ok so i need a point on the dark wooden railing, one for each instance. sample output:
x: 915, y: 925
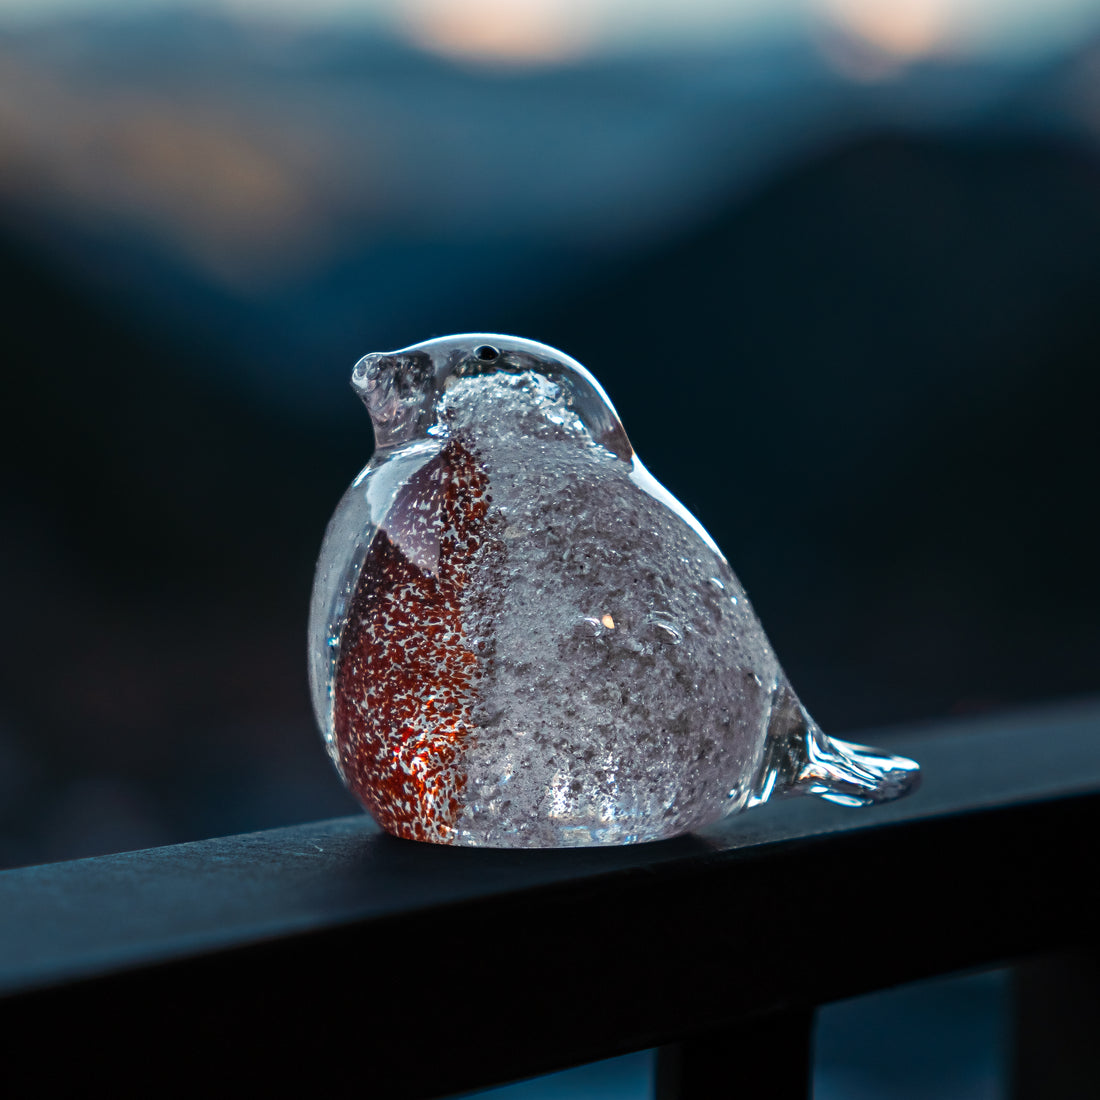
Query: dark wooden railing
x: 330, y: 959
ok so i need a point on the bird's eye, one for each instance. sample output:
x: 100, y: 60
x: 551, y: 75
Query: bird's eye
x: 486, y: 353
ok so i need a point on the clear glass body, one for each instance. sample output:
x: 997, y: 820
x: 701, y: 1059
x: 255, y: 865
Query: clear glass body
x: 519, y: 638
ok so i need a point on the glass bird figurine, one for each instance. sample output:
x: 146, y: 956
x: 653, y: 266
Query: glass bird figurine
x: 519, y: 638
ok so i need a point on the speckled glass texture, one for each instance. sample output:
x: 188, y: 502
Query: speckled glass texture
x: 519, y: 638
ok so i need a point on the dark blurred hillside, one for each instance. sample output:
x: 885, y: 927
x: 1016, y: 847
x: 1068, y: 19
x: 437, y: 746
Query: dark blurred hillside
x: 159, y: 535
x: 873, y: 379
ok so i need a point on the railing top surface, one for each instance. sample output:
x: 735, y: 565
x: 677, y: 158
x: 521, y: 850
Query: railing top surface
x: 63, y: 921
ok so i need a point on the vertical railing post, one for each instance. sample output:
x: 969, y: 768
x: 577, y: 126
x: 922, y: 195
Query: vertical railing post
x: 1056, y: 1028
x: 768, y: 1059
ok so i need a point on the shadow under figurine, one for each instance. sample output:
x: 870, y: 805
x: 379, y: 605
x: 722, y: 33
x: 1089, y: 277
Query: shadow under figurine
x: 519, y: 638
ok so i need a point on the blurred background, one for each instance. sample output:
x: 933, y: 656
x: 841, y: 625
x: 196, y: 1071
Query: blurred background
x: 837, y: 262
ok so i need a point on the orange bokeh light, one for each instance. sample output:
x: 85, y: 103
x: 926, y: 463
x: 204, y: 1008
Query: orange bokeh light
x: 903, y: 29
x: 507, y: 31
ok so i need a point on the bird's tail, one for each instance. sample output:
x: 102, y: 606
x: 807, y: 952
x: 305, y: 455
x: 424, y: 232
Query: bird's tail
x: 800, y: 759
